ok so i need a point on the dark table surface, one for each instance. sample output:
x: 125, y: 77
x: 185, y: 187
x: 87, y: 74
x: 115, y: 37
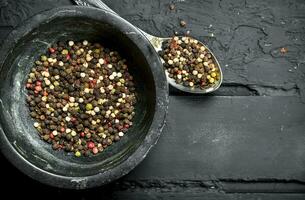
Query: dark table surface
x: 245, y: 141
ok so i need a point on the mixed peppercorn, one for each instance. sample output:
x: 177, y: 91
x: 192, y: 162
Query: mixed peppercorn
x: 81, y: 96
x: 189, y: 63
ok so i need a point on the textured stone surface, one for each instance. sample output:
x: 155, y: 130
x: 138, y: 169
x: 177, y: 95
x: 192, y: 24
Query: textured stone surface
x: 245, y: 35
x: 246, y: 137
x: 229, y: 137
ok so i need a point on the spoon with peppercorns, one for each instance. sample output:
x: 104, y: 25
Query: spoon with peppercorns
x: 190, y: 66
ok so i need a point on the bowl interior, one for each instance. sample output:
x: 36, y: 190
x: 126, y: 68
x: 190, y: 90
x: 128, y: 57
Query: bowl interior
x: 14, y: 113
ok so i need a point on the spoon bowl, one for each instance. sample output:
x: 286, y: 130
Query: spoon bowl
x: 157, y: 43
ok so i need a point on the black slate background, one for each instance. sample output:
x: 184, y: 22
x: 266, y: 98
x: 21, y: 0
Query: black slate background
x: 245, y: 141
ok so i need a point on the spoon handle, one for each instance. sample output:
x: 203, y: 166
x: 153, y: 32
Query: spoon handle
x: 94, y: 3
x: 101, y: 4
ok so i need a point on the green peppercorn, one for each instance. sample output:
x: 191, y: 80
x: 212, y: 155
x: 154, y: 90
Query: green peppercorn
x: 64, y: 52
x: 43, y: 58
x: 77, y: 154
x: 89, y: 106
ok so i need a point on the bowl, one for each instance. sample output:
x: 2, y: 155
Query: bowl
x: 19, y: 140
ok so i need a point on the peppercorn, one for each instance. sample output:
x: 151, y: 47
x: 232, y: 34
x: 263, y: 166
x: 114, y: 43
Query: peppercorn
x: 90, y: 145
x: 182, y: 23
x: 77, y: 154
x: 95, y: 150
x: 172, y: 6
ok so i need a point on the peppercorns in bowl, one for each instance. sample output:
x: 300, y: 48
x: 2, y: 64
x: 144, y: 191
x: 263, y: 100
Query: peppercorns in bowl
x: 82, y: 97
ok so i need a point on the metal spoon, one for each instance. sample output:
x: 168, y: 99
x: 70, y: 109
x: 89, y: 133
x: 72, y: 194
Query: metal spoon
x: 157, y: 44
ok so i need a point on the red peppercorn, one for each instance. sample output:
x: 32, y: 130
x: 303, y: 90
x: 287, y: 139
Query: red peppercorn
x: 92, y: 83
x: 73, y: 119
x: 38, y: 83
x: 68, y: 57
x: 95, y: 150
x: 51, y: 50
x: 126, y: 125
x: 45, y: 93
x: 28, y: 85
x: 82, y: 134
x: 90, y: 145
x: 38, y: 88
x: 51, y: 136
x: 62, y: 129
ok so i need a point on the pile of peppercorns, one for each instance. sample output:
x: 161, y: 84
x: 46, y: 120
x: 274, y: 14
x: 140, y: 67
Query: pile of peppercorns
x: 189, y: 63
x: 81, y: 97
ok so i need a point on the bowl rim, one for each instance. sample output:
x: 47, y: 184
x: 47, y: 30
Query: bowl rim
x: 158, y: 121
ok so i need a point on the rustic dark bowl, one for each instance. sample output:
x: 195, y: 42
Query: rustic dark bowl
x: 20, y: 142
